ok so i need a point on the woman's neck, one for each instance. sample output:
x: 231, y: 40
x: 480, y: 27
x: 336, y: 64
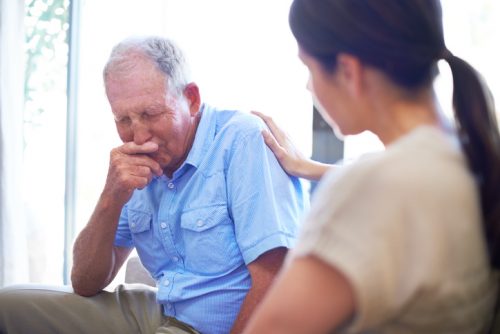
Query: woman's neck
x: 397, y: 115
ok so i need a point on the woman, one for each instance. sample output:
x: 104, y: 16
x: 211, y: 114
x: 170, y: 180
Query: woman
x: 405, y: 240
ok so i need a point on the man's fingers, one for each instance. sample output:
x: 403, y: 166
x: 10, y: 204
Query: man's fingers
x: 133, y: 154
x: 144, y: 160
x: 141, y: 171
x: 131, y: 168
x: 130, y: 176
x: 140, y: 182
x: 133, y: 148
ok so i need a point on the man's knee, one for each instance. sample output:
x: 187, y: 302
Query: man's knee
x: 31, y: 308
x: 30, y: 295
x: 20, y: 304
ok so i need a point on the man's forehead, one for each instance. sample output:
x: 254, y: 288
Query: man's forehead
x: 132, y: 96
x: 134, y: 69
x: 141, y: 78
x: 126, y: 62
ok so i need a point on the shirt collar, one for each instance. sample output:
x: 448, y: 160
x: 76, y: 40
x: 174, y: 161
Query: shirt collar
x: 203, y: 139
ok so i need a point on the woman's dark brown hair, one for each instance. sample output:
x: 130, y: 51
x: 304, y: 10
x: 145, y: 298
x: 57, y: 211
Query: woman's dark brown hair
x: 405, y: 39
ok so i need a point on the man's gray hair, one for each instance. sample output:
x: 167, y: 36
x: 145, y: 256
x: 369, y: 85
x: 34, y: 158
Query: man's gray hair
x: 167, y: 56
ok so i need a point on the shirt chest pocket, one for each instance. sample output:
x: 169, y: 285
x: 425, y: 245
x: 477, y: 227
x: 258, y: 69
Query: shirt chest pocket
x: 200, y: 220
x: 139, y: 221
x: 209, y: 239
x: 146, y: 245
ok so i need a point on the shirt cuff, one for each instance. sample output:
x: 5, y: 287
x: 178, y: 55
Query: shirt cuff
x: 270, y: 242
x: 120, y: 242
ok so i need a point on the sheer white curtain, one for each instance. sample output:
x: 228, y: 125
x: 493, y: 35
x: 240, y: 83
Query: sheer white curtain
x: 13, y: 248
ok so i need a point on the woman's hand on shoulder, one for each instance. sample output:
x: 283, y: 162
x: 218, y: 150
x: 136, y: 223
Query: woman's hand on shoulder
x: 291, y: 159
x: 289, y: 156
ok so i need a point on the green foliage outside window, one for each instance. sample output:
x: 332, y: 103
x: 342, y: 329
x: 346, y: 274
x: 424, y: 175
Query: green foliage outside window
x: 46, y: 29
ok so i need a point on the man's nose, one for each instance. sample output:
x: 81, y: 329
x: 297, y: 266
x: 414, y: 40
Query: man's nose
x: 141, y: 131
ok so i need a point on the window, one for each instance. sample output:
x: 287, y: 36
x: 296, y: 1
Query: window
x: 46, y: 29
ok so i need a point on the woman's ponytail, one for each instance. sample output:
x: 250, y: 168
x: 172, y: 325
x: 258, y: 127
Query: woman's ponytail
x: 480, y: 139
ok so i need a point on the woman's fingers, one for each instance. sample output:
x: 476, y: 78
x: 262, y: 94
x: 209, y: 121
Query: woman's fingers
x: 277, y: 132
x: 273, y: 144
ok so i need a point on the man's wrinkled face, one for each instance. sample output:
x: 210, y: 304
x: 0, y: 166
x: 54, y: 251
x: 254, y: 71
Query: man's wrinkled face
x: 145, y: 110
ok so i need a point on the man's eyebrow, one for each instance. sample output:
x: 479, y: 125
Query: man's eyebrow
x: 118, y: 117
x: 154, y: 107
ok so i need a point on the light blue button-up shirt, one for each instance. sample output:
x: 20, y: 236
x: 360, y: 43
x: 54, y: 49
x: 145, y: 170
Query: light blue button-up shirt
x: 228, y: 203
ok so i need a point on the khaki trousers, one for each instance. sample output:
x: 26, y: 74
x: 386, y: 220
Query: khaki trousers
x: 130, y: 308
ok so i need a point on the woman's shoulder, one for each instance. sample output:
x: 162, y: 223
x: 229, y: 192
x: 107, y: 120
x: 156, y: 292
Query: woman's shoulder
x: 424, y: 161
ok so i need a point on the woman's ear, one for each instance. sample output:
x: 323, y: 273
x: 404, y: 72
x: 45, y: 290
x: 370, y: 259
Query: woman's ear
x: 350, y: 70
x: 192, y: 94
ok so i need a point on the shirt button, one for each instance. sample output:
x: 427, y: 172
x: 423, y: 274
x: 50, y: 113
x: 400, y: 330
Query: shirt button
x: 175, y: 259
x: 132, y: 225
x: 166, y: 282
x: 200, y: 223
x: 169, y: 306
x: 163, y: 225
x: 170, y: 185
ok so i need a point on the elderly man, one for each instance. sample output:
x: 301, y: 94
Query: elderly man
x: 194, y: 190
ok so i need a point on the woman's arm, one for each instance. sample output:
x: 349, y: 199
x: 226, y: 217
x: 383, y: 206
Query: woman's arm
x: 290, y: 158
x: 310, y: 296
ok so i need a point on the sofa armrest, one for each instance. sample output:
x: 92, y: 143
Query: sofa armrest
x: 136, y: 273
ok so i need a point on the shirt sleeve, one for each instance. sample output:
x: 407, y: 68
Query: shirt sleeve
x: 265, y: 203
x: 123, y: 237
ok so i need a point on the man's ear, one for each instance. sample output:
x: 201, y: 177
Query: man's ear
x: 351, y: 72
x: 192, y: 94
